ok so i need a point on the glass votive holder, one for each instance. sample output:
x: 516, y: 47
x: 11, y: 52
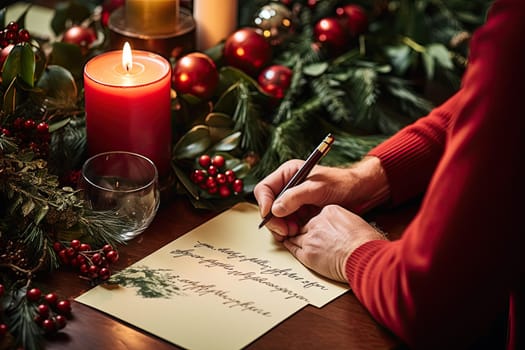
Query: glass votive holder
x: 124, y: 183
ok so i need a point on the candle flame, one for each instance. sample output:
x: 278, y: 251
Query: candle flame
x: 127, y: 58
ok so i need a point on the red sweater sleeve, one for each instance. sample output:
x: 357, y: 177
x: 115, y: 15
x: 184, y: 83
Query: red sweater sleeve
x: 452, y: 272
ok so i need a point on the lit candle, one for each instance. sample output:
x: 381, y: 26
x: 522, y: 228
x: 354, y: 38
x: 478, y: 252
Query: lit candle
x: 154, y: 17
x: 215, y: 21
x: 128, y: 106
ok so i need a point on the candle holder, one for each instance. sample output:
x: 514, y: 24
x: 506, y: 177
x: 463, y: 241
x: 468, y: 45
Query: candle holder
x: 170, y: 45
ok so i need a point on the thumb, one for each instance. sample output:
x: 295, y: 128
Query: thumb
x: 290, y: 201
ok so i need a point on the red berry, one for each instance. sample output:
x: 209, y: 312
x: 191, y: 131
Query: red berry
x: 63, y: 307
x: 51, y: 298
x: 224, y: 191
x: 204, y: 161
x: 210, y: 182
x: 84, y: 269
x: 221, y: 178
x: 12, y: 26
x: 112, y: 256
x: 230, y: 175
x: 104, y: 273
x: 60, y: 321
x: 71, y: 252
x: 2, y: 290
x: 198, y: 176
x: 43, y: 310
x: 96, y: 258
x: 107, y: 248
x: 42, y: 127
x: 48, y: 325
x: 29, y: 124
x: 75, y: 244
x: 33, y: 294
x: 57, y: 246
x: 218, y: 161
x: 212, y: 170
x: 238, y: 186
x: 84, y: 247
x: 23, y: 36
x: 93, y: 271
x: 3, y: 330
x: 213, y: 189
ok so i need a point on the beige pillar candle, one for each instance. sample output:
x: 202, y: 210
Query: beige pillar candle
x: 215, y: 20
x: 152, y: 17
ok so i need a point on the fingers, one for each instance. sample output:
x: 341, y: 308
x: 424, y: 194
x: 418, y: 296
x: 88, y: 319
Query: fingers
x: 266, y: 190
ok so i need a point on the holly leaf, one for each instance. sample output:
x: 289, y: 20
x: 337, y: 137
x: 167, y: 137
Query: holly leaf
x: 19, y: 62
x: 441, y: 54
x: 193, y: 143
x: 399, y: 57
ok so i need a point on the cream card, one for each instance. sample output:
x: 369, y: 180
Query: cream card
x: 220, y: 286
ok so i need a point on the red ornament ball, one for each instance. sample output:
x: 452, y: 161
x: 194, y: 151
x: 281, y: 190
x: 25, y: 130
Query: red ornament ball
x: 275, y: 80
x: 331, y: 34
x: 247, y: 50
x: 195, y: 74
x: 80, y: 36
x: 354, y: 18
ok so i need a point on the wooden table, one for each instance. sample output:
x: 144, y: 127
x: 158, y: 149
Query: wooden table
x: 342, y: 324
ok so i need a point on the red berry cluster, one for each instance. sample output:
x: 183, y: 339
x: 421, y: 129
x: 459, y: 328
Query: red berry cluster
x: 92, y: 264
x: 51, y: 313
x: 31, y: 134
x: 214, y: 178
x: 12, y: 34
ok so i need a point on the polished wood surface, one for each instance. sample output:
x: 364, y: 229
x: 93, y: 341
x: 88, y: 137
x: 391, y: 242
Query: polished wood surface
x: 342, y: 324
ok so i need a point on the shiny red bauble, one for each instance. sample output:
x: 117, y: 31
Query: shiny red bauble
x: 354, y: 18
x: 195, y: 74
x: 331, y: 34
x: 80, y: 36
x: 247, y: 50
x: 275, y: 80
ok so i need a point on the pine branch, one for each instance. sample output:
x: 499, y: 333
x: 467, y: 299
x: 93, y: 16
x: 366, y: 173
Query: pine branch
x: 102, y: 227
x: 247, y: 119
x: 20, y: 318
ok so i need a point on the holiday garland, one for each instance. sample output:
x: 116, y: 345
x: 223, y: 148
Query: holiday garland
x: 360, y: 70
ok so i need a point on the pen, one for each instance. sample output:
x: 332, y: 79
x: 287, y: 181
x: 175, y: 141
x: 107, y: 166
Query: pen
x: 301, y: 174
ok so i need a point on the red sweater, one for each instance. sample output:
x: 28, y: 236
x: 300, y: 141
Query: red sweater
x: 460, y: 263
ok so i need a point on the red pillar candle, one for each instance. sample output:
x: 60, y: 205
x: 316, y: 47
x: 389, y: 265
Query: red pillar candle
x: 127, y: 103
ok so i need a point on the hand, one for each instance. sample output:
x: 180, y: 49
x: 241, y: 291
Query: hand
x: 326, y: 241
x: 298, y: 204
x: 360, y: 187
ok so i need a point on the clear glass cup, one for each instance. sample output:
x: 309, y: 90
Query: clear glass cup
x: 123, y: 182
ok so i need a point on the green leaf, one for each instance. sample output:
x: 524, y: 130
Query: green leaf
x: 399, y: 57
x: 428, y: 63
x: 193, y: 143
x: 28, y: 207
x: 219, y: 120
x: 42, y: 212
x: 9, y: 103
x: 19, y: 62
x: 441, y: 54
x: 59, y: 125
x: 229, y: 143
x: 316, y: 69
